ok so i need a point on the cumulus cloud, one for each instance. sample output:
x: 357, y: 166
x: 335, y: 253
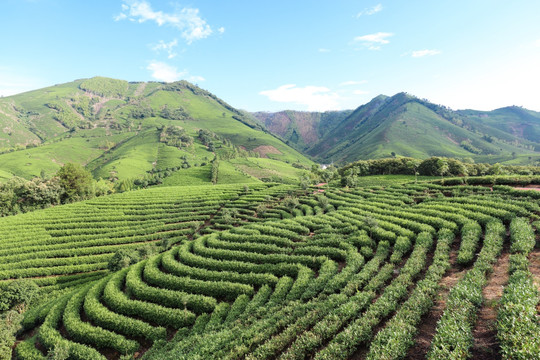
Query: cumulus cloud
x: 370, y: 11
x: 186, y: 20
x: 315, y: 98
x: 164, y: 72
x: 221, y: 30
x: 426, y: 52
x: 167, y: 47
x: 374, y: 41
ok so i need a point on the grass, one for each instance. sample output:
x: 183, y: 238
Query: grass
x: 262, y: 168
x: 108, y: 110
x: 49, y: 158
x: 386, y: 180
x: 131, y: 159
x: 199, y: 175
x: 229, y: 174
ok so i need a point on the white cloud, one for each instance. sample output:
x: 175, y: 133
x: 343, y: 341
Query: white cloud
x: 537, y: 43
x: 168, y: 47
x: 352, y: 82
x: 221, y: 30
x: 426, y: 52
x: 164, y: 72
x: 316, y: 98
x: 323, y: 50
x: 370, y: 11
x: 373, y: 41
x: 186, y: 20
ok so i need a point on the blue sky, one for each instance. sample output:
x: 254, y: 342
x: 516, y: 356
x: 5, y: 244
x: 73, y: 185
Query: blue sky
x: 274, y: 55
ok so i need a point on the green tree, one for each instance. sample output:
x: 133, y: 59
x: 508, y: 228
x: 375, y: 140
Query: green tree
x: 18, y: 293
x: 76, y: 181
x: 442, y: 167
x: 413, y: 165
x: 291, y: 203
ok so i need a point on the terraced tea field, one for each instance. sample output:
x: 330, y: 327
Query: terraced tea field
x: 273, y: 272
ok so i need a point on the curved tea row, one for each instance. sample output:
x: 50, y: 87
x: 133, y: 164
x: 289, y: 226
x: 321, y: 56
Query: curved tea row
x: 350, y: 271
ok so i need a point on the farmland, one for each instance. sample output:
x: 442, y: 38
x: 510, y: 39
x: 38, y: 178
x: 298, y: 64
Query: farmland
x: 264, y: 271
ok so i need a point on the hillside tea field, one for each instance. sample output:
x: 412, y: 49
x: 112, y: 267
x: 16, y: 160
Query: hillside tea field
x: 417, y: 271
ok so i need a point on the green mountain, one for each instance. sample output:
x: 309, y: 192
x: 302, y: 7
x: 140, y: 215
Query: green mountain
x: 122, y: 130
x: 404, y: 125
x: 301, y: 129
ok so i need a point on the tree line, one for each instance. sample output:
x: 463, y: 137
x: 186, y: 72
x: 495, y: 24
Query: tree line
x: 71, y: 183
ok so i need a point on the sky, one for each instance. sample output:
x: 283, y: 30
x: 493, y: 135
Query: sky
x: 262, y: 55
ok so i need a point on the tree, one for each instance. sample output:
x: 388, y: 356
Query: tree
x: 214, y: 171
x: 18, y: 293
x: 76, y: 181
x: 413, y: 165
x: 442, y: 167
x: 291, y: 203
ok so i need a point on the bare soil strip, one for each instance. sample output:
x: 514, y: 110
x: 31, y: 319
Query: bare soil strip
x: 534, y: 268
x: 486, y: 345
x: 428, y: 325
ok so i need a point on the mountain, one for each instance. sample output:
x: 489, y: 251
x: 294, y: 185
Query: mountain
x: 300, y: 129
x: 122, y: 130
x: 404, y: 125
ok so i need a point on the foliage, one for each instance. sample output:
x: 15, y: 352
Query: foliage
x: 268, y: 270
x: 434, y: 166
x: 76, y: 181
x: 105, y: 86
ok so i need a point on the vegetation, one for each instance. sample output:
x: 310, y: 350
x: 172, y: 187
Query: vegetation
x: 71, y: 183
x: 223, y: 242
x: 378, y: 129
x: 270, y: 271
x: 121, y: 131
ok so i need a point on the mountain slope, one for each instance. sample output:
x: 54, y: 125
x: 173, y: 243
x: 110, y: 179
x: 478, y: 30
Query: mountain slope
x: 301, y: 129
x: 403, y: 125
x: 123, y: 130
x: 512, y: 120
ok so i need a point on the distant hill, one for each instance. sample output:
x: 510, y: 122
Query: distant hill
x: 121, y: 130
x: 404, y: 125
x: 301, y: 129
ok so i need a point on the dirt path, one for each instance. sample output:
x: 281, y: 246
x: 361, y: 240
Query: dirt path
x: 426, y: 330
x: 99, y: 105
x: 363, y: 349
x: 534, y: 268
x: 486, y: 345
x: 140, y: 89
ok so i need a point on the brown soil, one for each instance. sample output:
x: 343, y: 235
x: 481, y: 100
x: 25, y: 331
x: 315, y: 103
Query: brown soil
x: 426, y: 329
x: 263, y: 150
x: 529, y: 187
x: 534, y: 268
x: 140, y: 89
x: 486, y: 345
x: 363, y: 349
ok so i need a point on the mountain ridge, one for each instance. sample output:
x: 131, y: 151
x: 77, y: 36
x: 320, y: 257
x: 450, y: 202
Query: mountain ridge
x: 129, y: 129
x: 508, y: 134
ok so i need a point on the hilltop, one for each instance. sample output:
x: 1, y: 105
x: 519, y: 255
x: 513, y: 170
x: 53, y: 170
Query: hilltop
x: 404, y: 125
x: 123, y: 130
